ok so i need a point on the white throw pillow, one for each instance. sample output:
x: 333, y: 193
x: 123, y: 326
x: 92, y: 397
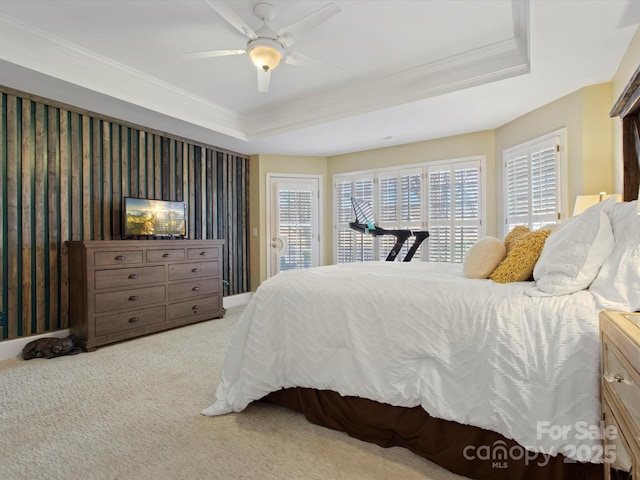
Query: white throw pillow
x: 573, y: 254
x: 483, y: 257
x: 617, y: 285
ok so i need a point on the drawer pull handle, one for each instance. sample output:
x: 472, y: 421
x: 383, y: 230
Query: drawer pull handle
x: 166, y: 255
x: 204, y: 254
x: 196, y: 289
x: 121, y: 258
x: 133, y: 276
x: 195, y: 308
x: 619, y: 378
x: 194, y: 270
x: 133, y: 319
x: 133, y: 298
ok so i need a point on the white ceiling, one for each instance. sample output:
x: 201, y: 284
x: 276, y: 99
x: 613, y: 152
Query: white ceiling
x: 406, y: 70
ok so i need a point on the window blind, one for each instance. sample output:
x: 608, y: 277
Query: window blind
x: 532, y: 187
x: 295, y: 220
x: 453, y: 210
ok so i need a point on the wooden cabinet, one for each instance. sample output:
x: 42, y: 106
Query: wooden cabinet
x: 120, y: 289
x: 620, y: 334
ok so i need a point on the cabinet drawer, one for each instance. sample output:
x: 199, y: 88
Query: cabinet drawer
x: 130, y: 298
x: 117, y: 258
x: 617, y: 453
x: 166, y: 255
x: 195, y: 288
x: 184, y: 271
x: 623, y: 379
x: 207, y: 253
x: 129, y: 277
x: 119, y: 322
x: 199, y: 307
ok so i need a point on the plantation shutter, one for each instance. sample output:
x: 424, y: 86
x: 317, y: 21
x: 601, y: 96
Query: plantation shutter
x: 352, y: 246
x: 532, y: 184
x: 295, y: 215
x: 453, y: 210
x: 399, y: 207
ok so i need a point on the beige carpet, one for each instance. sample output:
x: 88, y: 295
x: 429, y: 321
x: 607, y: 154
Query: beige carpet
x: 132, y: 411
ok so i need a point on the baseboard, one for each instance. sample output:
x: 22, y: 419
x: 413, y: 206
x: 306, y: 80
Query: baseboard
x: 13, y: 348
x: 235, y: 300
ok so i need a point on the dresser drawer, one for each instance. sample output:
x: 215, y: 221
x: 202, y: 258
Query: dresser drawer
x: 199, y: 307
x: 616, y: 447
x: 129, y: 257
x: 206, y: 253
x: 166, y: 255
x: 129, y: 277
x: 130, y: 298
x: 119, y: 322
x: 622, y: 379
x: 184, y: 271
x: 195, y: 288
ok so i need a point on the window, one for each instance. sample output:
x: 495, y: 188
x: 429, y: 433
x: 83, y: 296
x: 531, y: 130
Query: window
x: 399, y: 207
x: 454, y: 209
x: 532, y: 182
x: 443, y: 197
x: 352, y: 246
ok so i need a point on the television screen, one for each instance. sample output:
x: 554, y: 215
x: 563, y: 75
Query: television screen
x: 144, y: 217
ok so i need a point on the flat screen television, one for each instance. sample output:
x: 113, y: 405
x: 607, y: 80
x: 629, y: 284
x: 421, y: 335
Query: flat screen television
x: 147, y: 218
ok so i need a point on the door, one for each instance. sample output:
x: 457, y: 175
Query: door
x: 294, y: 223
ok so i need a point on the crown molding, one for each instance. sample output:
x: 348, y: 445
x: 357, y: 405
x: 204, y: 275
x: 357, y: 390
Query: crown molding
x: 475, y: 67
x: 32, y: 48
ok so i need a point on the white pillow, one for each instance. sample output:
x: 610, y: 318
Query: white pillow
x: 617, y: 285
x: 573, y: 254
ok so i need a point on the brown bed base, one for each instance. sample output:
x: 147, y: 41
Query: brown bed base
x: 441, y: 441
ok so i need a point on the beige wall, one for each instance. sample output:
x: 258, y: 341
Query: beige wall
x: 585, y: 115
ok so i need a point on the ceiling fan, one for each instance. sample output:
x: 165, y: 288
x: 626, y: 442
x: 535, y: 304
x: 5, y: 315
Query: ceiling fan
x: 267, y: 47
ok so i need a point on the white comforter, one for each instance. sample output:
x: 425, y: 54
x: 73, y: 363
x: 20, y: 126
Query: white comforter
x: 409, y: 334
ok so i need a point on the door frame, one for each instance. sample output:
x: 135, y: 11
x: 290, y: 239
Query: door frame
x: 269, y: 207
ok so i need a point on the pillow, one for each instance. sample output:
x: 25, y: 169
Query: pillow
x: 483, y: 257
x: 521, y: 258
x: 517, y: 232
x: 617, y: 285
x: 573, y: 254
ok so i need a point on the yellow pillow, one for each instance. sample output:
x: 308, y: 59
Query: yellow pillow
x: 522, y: 256
x: 483, y: 257
x: 517, y: 232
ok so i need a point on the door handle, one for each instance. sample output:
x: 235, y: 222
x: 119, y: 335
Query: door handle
x: 279, y: 242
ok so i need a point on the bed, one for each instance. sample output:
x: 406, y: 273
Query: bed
x: 490, y: 380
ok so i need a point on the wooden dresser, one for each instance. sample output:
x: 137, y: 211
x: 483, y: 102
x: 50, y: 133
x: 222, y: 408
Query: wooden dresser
x: 620, y: 334
x: 120, y: 289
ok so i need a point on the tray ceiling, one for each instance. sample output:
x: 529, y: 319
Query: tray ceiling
x: 404, y: 71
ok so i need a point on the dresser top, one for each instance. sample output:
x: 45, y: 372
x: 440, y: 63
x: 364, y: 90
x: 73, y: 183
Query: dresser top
x: 118, y: 244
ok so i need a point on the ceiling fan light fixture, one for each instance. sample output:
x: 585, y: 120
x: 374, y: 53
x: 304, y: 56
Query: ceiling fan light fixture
x: 265, y: 53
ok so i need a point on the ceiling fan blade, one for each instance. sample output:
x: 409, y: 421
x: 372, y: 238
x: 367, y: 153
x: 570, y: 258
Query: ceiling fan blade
x: 263, y: 80
x: 292, y: 32
x: 301, y: 60
x: 212, y: 53
x: 232, y: 17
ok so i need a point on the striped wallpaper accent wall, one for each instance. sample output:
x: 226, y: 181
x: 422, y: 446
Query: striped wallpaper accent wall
x: 63, y: 174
